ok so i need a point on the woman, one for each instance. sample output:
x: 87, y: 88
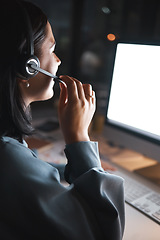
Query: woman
x: 34, y: 204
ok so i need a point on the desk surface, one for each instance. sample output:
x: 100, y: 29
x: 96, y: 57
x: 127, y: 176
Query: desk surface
x: 140, y: 227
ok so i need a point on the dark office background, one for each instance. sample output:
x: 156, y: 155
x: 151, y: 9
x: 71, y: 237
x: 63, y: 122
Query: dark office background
x: 81, y: 28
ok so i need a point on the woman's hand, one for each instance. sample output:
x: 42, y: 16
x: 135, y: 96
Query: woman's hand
x: 76, y: 109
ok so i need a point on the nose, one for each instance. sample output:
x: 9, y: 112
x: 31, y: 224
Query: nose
x: 57, y: 59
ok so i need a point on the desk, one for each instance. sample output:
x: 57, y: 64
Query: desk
x: 139, y: 227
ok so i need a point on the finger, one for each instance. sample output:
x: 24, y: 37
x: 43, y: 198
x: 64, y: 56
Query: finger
x: 88, y: 91
x: 80, y: 89
x: 71, y: 87
x: 63, y: 95
x: 93, y: 97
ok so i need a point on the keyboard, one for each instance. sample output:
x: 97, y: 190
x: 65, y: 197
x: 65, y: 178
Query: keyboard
x: 141, y: 197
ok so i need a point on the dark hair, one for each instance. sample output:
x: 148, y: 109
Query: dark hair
x: 15, y: 119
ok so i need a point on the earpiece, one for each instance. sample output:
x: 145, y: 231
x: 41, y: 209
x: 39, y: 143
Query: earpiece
x: 23, y: 69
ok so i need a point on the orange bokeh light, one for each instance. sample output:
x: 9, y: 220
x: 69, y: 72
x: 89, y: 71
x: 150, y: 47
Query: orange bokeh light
x: 111, y: 37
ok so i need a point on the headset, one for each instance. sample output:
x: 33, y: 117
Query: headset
x: 29, y: 65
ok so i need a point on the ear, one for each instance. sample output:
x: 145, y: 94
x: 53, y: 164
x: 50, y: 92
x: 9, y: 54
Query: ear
x: 19, y: 80
x: 23, y: 83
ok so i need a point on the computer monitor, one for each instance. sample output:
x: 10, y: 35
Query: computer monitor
x: 133, y: 105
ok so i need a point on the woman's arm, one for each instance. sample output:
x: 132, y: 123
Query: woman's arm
x: 35, y: 205
x: 101, y: 191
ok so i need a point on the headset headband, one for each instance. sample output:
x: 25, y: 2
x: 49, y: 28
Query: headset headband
x: 28, y: 57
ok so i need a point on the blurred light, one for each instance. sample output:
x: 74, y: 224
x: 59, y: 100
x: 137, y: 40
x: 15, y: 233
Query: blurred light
x: 111, y: 37
x: 106, y: 10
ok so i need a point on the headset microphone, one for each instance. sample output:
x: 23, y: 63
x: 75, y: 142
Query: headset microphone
x: 36, y: 68
x: 28, y: 64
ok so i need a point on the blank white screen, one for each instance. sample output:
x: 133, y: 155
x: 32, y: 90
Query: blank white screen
x: 135, y: 91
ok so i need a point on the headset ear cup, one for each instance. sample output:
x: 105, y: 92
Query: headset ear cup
x: 23, y: 69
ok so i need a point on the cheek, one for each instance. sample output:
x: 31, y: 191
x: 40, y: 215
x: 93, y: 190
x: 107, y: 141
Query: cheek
x: 48, y: 91
x: 48, y: 63
x: 41, y: 88
x: 46, y: 85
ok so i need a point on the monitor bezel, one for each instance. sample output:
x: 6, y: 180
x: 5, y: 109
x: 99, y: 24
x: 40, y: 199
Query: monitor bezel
x: 155, y: 139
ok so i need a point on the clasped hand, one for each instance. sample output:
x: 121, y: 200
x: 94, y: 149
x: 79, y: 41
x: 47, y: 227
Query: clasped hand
x: 76, y: 109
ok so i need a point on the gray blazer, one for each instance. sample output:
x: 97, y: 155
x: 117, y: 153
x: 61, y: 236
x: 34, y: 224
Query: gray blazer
x: 35, y: 205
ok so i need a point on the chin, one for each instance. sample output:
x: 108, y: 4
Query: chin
x: 49, y: 95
